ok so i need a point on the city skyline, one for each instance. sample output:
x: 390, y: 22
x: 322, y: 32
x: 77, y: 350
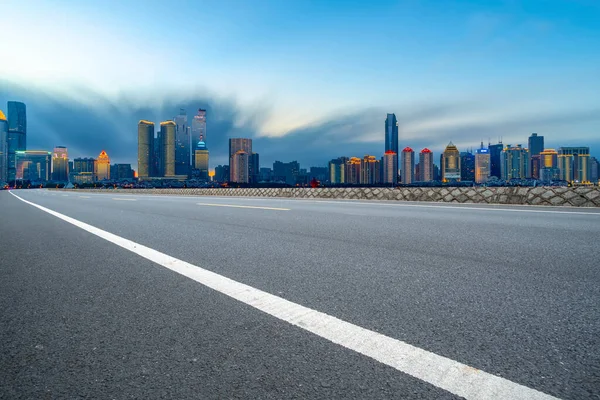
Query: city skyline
x: 314, y: 88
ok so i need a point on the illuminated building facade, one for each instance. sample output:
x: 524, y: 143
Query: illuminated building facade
x: 145, y: 149
x: 103, y: 166
x: 201, y: 157
x: 467, y: 166
x: 353, y: 170
x: 408, y: 166
x: 482, y: 165
x: 515, y: 162
x: 60, y: 164
x: 337, y: 170
x: 549, y: 170
x: 390, y: 169
x: 167, y: 149
x: 370, y: 170
x: 198, y: 132
x: 17, y: 134
x: 450, y: 164
x: 574, y: 163
x: 235, y: 145
x: 33, y: 166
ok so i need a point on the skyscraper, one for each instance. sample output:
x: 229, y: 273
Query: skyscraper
x: 182, y: 144
x: 408, y: 166
x: 467, y: 166
x: 145, y: 149
x: 425, y: 166
x: 450, y: 164
x: 353, y: 171
x: 482, y: 164
x: 33, y: 166
x: 235, y: 145
x: 390, y: 171
x: 536, y: 146
x: 201, y: 157
x: 370, y: 170
x: 199, y: 128
x: 286, y: 172
x: 594, y: 170
x: 3, y: 149
x: 103, y: 166
x: 391, y: 136
x: 495, y: 161
x: 17, y: 134
x: 253, y: 167
x: 60, y: 164
x: 549, y: 170
x: 239, y: 167
x: 337, y: 170
x: 515, y: 162
x: 167, y: 148
x: 579, y: 158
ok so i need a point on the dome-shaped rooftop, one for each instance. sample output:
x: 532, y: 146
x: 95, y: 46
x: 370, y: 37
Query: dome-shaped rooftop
x: 425, y: 150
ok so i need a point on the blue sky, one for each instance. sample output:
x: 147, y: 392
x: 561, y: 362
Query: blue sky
x: 311, y: 80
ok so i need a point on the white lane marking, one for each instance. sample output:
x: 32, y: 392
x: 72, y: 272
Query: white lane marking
x: 65, y: 195
x: 452, y: 376
x: 124, y: 199
x: 239, y: 206
x: 84, y: 197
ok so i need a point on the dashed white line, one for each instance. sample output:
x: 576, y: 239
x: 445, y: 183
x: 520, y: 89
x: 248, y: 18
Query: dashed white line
x: 84, y: 197
x: 124, y: 199
x: 452, y: 376
x: 239, y: 206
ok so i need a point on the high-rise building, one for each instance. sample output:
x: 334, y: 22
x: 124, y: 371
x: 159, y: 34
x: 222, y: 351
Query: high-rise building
x: 103, y: 166
x: 425, y: 166
x: 536, y: 144
x: 145, y: 149
x: 515, y: 162
x: 198, y: 131
x: 467, y: 166
x: 60, y: 164
x: 201, y: 158
x: 33, y: 166
x: 239, y: 167
x: 482, y: 164
x: 253, y: 167
x: 167, y: 148
x: 235, y: 145
x: 370, y: 170
x: 391, y: 136
x: 390, y: 170
x: 85, y: 165
x: 182, y: 144
x: 121, y: 172
x: 286, y: 172
x: 221, y: 173
x: 353, y: 171
x: 495, y: 159
x: 17, y: 134
x: 549, y: 170
x: 579, y: 160
x: 408, y: 166
x: 450, y: 164
x: 3, y: 149
x: 594, y: 170
x: 337, y: 170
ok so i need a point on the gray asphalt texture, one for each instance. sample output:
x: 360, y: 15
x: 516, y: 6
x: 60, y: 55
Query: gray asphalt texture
x: 510, y: 290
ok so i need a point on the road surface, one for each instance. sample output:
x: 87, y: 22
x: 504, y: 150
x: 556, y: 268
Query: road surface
x: 334, y: 299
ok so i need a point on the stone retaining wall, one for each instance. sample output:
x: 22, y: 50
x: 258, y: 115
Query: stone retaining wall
x: 547, y: 196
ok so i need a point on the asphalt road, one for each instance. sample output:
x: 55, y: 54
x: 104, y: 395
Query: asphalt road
x: 512, y: 291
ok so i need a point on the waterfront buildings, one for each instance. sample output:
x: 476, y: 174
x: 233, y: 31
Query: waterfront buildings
x: 574, y: 164
x: 370, y: 170
x: 167, y: 149
x: 536, y: 146
x: 146, y: 149
x: 450, y: 164
x: 467, y: 166
x: 201, y: 156
x: 182, y: 145
x: 408, y: 166
x: 390, y: 171
x: 103, y: 166
x: 515, y: 162
x: 549, y: 170
x: 337, y: 170
x: 239, y: 167
x: 286, y: 172
x: 60, y: 164
x: 495, y: 159
x: 353, y: 170
x: 235, y: 145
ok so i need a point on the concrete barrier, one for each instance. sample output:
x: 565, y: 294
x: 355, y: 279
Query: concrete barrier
x: 535, y: 196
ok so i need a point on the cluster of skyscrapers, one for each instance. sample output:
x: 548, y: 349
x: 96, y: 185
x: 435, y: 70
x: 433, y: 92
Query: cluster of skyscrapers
x: 18, y: 164
x: 176, y: 151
